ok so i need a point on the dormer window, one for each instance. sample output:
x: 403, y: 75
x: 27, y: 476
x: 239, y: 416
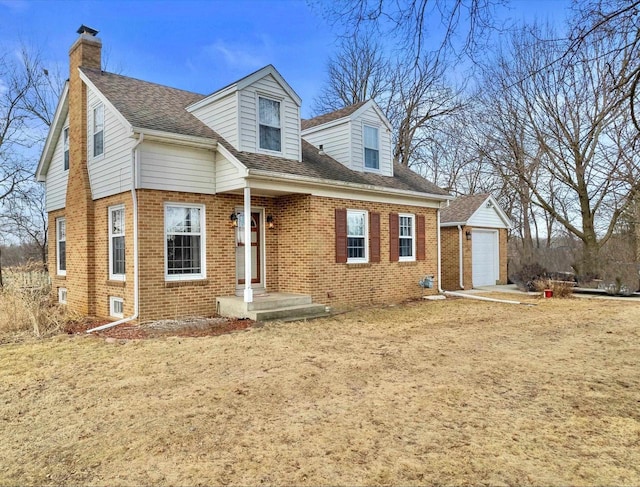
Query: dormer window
x: 65, y: 136
x: 269, y: 121
x: 371, y: 151
x: 98, y: 131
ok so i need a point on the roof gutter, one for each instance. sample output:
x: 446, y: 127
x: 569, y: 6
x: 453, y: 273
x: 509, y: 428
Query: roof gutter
x: 178, y: 139
x: 135, y: 161
x: 261, y: 174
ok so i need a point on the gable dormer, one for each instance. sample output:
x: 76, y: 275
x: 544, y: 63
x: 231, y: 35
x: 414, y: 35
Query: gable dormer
x: 259, y: 113
x: 357, y: 136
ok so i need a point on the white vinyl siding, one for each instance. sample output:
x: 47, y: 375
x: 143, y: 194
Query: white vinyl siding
x: 370, y: 118
x: 268, y: 87
x: 344, y: 140
x: 110, y: 173
x: 227, y: 176
x: 335, y: 142
x: 57, y: 177
x: 486, y: 217
x: 222, y: 116
x: 176, y: 168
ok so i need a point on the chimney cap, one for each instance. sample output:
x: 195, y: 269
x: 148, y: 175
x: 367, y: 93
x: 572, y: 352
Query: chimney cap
x: 87, y: 30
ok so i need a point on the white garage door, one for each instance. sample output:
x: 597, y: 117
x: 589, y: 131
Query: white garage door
x: 484, y: 244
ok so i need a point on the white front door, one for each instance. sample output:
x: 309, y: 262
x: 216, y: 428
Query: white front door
x: 484, y: 257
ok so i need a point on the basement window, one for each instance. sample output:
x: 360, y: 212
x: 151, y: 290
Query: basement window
x: 116, y: 307
x: 62, y: 295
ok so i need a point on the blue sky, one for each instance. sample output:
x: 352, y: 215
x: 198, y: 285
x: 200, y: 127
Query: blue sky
x: 199, y: 45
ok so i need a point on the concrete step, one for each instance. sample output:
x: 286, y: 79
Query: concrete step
x: 289, y: 313
x: 282, y: 301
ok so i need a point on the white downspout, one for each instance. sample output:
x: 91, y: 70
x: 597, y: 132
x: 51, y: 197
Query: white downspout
x: 439, y: 252
x: 460, y: 257
x: 134, y: 198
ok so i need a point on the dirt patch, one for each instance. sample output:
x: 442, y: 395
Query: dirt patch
x: 188, y: 327
x: 453, y: 392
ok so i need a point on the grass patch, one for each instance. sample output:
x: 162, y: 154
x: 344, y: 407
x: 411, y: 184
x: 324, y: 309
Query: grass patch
x: 448, y: 392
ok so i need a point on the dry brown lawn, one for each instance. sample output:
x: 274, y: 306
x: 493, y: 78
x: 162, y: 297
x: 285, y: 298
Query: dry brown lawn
x: 454, y: 392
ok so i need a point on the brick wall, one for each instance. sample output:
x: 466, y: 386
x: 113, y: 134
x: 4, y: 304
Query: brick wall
x: 504, y: 257
x: 358, y: 284
x: 449, y: 237
x: 79, y: 208
x: 174, y: 299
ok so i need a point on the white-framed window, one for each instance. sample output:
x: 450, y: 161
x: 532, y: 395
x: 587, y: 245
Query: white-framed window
x: 407, y: 237
x: 184, y: 241
x: 357, y: 236
x: 116, y: 243
x: 116, y: 307
x: 371, y: 147
x: 62, y: 295
x: 61, y: 246
x: 65, y: 141
x: 98, y: 130
x: 269, y: 126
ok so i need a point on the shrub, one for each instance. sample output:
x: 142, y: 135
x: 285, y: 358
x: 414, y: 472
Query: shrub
x: 30, y: 311
x: 528, y: 274
x: 561, y: 289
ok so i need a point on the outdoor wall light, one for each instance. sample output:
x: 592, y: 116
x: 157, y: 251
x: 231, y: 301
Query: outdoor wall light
x: 234, y: 219
x: 468, y: 234
x: 270, y: 221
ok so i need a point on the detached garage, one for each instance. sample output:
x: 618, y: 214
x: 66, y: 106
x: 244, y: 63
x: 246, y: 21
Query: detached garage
x: 474, y: 243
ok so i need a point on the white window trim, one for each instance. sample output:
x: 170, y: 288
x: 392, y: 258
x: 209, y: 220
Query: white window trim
x: 62, y: 295
x: 203, y: 245
x: 61, y: 272
x: 112, y: 302
x: 412, y: 258
x: 364, y: 157
x: 112, y: 276
x: 65, y: 148
x: 365, y: 259
x: 93, y: 115
x: 281, y: 103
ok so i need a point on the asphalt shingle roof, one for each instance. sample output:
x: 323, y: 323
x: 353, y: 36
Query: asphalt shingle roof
x: 156, y: 107
x: 461, y: 209
x: 331, y: 116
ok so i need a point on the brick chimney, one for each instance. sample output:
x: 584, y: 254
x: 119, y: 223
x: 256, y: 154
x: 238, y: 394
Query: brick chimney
x: 79, y: 212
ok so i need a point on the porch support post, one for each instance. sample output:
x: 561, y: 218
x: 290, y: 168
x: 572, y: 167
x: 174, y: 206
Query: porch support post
x: 248, y: 290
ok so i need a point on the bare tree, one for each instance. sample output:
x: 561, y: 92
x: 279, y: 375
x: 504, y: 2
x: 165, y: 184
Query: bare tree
x: 597, y: 19
x: 358, y: 72
x: 413, y: 23
x: 575, y: 156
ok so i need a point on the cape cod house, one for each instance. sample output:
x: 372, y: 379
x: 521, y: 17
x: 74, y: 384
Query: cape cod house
x: 164, y: 203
